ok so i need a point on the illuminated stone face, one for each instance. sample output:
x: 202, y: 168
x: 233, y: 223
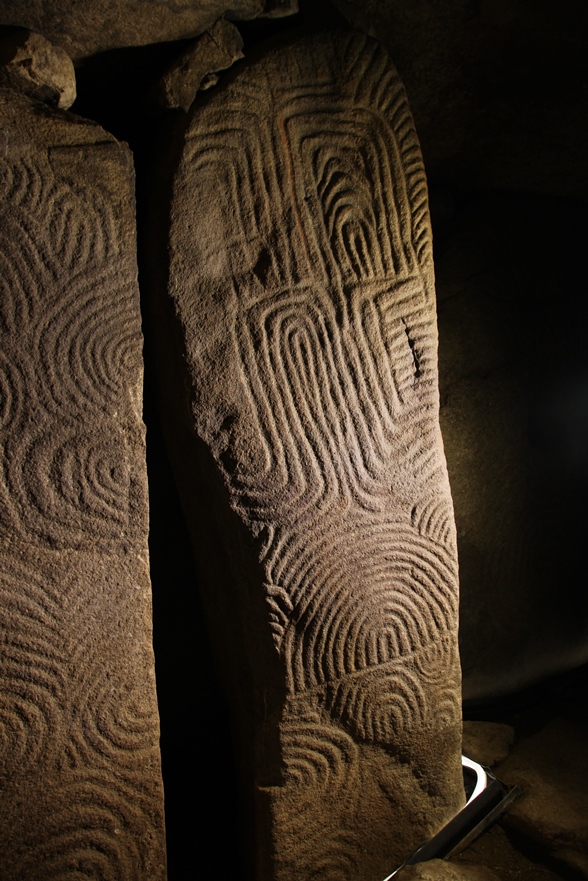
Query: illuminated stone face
x: 302, y: 279
x: 81, y: 785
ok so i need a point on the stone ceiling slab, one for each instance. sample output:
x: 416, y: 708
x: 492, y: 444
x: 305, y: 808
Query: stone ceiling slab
x: 84, y: 29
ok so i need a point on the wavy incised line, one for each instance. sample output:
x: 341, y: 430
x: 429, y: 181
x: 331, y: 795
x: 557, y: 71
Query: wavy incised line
x: 368, y: 73
x: 24, y: 181
x: 330, y: 629
x: 32, y: 678
x: 86, y: 347
x: 96, y: 824
x: 317, y: 755
x: 381, y: 705
x: 313, y: 288
x: 347, y: 381
x: 68, y: 487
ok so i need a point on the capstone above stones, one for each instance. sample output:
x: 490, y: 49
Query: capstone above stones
x: 84, y: 29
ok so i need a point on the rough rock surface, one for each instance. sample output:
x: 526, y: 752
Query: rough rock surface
x: 81, y: 785
x: 442, y: 870
x: 487, y: 742
x: 83, y: 29
x: 551, y: 768
x: 216, y: 49
x: 494, y: 850
x: 307, y: 446
x: 31, y: 64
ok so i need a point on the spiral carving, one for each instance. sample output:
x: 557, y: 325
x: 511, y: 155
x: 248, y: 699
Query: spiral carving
x: 305, y: 297
x: 91, y: 824
x: 80, y: 793
x: 73, y: 353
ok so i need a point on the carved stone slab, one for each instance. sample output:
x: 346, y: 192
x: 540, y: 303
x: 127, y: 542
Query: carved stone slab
x: 302, y: 280
x: 80, y: 783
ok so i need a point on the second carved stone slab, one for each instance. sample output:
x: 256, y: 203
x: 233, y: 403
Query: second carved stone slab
x: 308, y: 449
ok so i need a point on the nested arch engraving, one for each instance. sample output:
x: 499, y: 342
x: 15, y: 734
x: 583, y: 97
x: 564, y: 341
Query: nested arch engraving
x: 66, y: 348
x: 80, y: 789
x: 304, y: 280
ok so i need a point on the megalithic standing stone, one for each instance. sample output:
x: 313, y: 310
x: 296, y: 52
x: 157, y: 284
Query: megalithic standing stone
x: 80, y: 779
x: 310, y: 455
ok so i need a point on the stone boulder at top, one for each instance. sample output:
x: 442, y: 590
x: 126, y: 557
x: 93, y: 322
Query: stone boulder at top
x: 83, y: 29
x: 81, y: 791
x: 30, y: 64
x: 308, y: 451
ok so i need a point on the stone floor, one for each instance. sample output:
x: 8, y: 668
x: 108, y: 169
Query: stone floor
x: 544, y: 834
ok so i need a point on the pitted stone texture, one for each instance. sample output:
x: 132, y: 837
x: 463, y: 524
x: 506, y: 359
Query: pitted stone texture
x: 30, y: 64
x: 310, y: 456
x: 81, y: 785
x: 83, y: 29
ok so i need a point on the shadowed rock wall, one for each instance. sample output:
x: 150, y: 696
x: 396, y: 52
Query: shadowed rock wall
x: 80, y: 774
x: 513, y: 416
x: 303, y: 416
